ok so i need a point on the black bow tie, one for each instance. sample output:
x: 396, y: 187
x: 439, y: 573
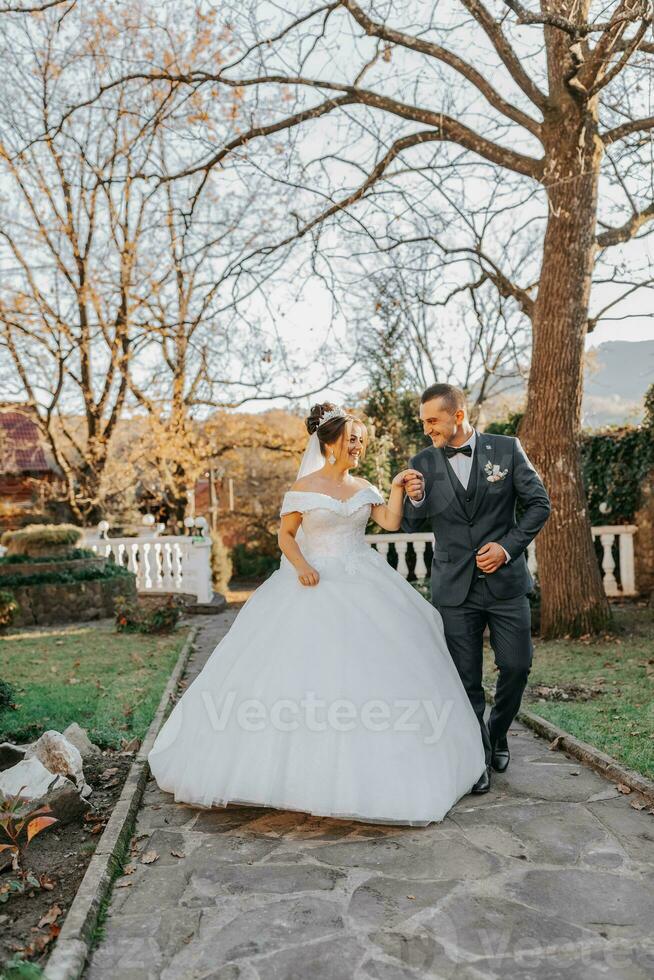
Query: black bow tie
x: 453, y: 450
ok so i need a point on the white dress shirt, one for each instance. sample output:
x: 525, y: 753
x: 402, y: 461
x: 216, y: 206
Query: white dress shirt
x: 462, y: 466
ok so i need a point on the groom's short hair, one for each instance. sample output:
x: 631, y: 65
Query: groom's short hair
x: 453, y: 398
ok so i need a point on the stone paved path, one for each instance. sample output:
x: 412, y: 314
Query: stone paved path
x: 550, y: 875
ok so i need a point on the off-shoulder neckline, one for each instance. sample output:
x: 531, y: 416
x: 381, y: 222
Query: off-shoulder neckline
x: 339, y: 500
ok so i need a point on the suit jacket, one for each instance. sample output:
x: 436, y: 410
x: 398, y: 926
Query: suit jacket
x: 463, y: 521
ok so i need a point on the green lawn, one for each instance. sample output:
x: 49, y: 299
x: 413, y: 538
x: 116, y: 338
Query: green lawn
x: 617, y: 672
x: 109, y: 683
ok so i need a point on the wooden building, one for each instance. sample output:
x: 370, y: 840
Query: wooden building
x: 27, y: 468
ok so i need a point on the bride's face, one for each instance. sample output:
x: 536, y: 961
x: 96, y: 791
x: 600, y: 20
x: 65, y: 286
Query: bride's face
x: 350, y: 449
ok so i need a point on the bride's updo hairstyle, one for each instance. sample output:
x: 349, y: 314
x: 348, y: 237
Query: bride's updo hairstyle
x: 332, y: 431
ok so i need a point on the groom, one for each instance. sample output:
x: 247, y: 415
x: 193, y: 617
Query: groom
x: 467, y: 485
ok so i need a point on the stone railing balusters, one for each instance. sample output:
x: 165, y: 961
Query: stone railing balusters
x: 177, y: 564
x: 626, y: 586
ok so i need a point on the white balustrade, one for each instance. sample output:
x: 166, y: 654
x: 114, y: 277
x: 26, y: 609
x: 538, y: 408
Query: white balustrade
x: 176, y: 563
x: 607, y: 535
x: 625, y: 566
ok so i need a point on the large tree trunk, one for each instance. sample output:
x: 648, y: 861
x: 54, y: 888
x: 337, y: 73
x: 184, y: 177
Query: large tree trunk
x: 573, y: 599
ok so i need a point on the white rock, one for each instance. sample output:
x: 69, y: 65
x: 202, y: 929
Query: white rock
x: 58, y: 755
x: 33, y: 775
x: 78, y: 737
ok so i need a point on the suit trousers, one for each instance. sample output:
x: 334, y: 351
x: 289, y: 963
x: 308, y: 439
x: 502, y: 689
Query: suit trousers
x: 509, y: 624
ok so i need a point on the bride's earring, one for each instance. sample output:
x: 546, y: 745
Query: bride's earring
x: 331, y: 458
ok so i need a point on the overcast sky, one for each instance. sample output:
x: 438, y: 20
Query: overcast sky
x: 306, y: 325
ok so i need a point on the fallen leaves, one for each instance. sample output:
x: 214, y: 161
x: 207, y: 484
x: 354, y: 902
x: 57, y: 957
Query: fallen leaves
x: 50, y: 916
x: 567, y: 692
x: 39, y: 943
x: 129, y: 747
x: 149, y: 857
x: 95, y: 822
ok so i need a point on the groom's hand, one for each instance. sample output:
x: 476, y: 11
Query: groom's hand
x: 490, y: 557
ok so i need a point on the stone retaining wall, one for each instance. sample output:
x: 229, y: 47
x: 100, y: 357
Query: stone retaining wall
x: 70, y: 602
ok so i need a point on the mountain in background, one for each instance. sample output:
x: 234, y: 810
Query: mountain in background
x: 617, y: 375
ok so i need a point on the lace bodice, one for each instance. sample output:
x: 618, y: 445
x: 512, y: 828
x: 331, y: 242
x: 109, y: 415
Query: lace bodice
x: 333, y: 528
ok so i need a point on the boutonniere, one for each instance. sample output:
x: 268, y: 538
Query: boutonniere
x: 493, y: 472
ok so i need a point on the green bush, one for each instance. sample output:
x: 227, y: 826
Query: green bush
x: 7, y: 695
x: 507, y: 426
x: 616, y: 465
x: 130, y: 617
x: 18, y: 968
x: 66, y: 576
x: 251, y: 563
x: 73, y: 555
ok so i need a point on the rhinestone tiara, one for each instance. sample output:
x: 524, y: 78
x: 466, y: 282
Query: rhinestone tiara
x: 333, y: 413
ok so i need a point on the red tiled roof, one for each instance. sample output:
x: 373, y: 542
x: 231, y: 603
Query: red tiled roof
x: 22, y: 446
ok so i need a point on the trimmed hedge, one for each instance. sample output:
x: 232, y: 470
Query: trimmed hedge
x: 73, y: 555
x: 38, y: 539
x: 66, y: 577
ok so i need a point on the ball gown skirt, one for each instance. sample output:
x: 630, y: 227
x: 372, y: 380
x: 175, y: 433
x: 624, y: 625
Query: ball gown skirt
x: 337, y: 700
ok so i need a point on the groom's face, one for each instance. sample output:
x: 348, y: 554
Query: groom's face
x: 438, y: 423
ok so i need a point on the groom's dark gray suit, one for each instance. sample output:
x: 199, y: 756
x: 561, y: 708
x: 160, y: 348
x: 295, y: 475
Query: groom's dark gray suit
x: 463, y: 519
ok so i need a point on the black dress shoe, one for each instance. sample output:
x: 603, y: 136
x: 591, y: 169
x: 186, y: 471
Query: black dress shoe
x: 500, y: 756
x: 483, y: 783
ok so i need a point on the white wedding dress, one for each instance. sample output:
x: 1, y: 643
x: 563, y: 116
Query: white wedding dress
x: 339, y: 699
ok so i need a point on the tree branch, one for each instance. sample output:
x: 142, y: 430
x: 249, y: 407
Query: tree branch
x: 574, y: 30
x: 374, y: 29
x: 38, y: 8
x: 633, y: 126
x: 509, y: 58
x: 627, y: 231
x: 589, y: 74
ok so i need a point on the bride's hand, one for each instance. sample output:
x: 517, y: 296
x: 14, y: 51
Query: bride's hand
x: 308, y: 575
x: 412, y: 481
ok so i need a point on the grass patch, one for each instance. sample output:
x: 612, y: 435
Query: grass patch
x: 600, y: 690
x: 109, y: 683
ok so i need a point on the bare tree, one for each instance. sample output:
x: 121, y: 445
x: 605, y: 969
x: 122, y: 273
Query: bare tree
x: 36, y: 8
x: 112, y: 299
x: 73, y: 223
x: 464, y: 334
x: 532, y: 93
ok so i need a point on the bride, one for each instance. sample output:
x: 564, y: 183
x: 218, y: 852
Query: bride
x: 334, y: 692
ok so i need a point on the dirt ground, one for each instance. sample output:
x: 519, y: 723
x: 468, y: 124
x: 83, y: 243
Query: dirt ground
x: 58, y: 857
